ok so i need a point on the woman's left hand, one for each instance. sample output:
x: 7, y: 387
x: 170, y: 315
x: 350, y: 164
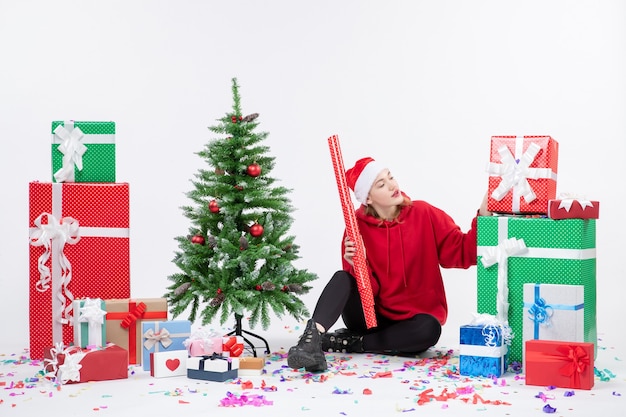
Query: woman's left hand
x: 482, y: 211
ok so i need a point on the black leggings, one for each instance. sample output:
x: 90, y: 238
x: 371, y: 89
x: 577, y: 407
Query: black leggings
x: 341, y: 297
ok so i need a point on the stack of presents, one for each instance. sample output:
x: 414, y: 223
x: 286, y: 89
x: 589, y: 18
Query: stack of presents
x: 536, y: 273
x: 83, y: 323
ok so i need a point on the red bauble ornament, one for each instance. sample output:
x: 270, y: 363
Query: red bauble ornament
x: 213, y: 206
x: 233, y: 119
x: 258, y: 288
x: 198, y: 240
x: 256, y: 230
x: 219, y: 290
x: 254, y: 170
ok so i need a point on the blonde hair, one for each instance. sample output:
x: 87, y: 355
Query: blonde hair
x: 370, y: 211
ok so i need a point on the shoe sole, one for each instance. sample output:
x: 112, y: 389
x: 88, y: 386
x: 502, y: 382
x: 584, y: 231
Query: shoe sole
x: 311, y: 363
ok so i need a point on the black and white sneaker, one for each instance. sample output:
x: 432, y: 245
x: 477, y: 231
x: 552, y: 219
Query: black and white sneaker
x: 343, y: 341
x: 308, y: 352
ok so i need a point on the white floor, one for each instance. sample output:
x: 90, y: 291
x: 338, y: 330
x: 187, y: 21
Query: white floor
x: 355, y: 385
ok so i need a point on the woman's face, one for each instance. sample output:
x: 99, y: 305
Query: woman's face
x: 385, y: 192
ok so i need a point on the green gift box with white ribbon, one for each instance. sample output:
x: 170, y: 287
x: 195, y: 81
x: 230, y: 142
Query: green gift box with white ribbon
x: 89, y: 322
x: 517, y: 250
x: 83, y: 151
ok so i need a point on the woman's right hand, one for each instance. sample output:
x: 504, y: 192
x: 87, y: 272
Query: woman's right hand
x: 349, y: 250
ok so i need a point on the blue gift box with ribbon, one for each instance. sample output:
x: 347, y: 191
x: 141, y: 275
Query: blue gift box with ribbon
x: 214, y: 367
x: 483, y: 351
x: 554, y: 312
x: 163, y: 336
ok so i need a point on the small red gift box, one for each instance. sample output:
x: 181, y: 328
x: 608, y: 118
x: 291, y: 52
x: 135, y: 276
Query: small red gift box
x: 560, y: 364
x: 522, y: 174
x: 79, y: 248
x: 573, y: 208
x: 73, y: 364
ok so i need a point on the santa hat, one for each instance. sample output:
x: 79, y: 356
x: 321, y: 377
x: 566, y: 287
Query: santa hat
x: 361, y: 177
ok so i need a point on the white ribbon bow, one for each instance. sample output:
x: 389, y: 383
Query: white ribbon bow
x: 64, y: 231
x: 152, y: 338
x: 568, y: 199
x: 72, y: 149
x: 515, y: 173
x: 92, y: 313
x: 70, y: 369
x: 492, y: 328
x: 500, y: 255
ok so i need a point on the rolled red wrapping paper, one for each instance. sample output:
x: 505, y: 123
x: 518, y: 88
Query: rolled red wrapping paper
x: 352, y: 230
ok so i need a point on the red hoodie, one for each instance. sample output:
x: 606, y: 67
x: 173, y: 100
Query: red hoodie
x: 404, y: 258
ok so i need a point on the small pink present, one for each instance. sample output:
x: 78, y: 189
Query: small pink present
x: 203, y: 342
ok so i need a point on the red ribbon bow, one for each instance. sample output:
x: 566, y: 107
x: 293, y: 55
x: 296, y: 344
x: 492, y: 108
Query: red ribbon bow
x: 132, y: 316
x: 577, y: 361
x: 232, y: 346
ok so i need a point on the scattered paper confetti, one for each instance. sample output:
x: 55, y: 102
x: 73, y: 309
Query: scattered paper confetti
x: 233, y: 400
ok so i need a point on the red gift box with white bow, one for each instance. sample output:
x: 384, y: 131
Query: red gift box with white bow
x: 560, y: 364
x: 522, y: 174
x: 79, y: 248
x: 73, y: 364
x: 573, y: 208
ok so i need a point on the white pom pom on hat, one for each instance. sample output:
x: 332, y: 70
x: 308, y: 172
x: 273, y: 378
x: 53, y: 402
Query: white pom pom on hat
x: 361, y: 177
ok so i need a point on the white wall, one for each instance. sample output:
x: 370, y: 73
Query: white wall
x: 421, y: 85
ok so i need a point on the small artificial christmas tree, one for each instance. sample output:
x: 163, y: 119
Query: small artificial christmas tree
x: 238, y: 255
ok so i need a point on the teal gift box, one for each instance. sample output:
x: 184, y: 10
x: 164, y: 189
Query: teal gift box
x: 83, y: 151
x: 89, y: 322
x: 556, y: 252
x: 163, y: 336
x: 482, y: 351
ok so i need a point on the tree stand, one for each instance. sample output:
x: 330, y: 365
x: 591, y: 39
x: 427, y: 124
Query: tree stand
x: 239, y: 331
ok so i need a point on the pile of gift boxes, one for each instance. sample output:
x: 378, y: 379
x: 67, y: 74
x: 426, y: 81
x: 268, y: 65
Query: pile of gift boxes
x: 83, y: 322
x: 536, y: 273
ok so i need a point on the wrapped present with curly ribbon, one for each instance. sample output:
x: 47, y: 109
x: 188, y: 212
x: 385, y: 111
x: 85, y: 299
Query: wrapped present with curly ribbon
x: 72, y: 364
x: 77, y: 233
x: 203, y: 342
x: 484, y: 347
